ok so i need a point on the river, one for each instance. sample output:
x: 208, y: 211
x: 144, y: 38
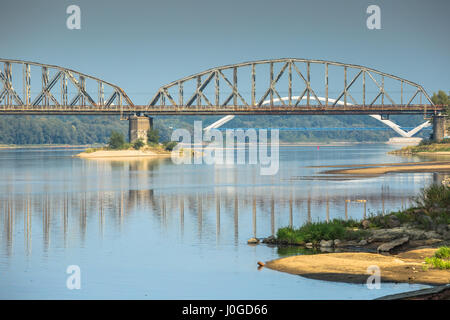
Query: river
x: 150, y: 229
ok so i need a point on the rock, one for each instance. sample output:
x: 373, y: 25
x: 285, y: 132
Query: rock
x: 420, y: 243
x: 337, y: 242
x: 425, y: 220
x: 270, y: 240
x: 309, y: 245
x: 348, y: 243
x: 326, y: 249
x: 384, y: 235
x: 365, y: 224
x: 432, y: 235
x: 260, y: 264
x: 393, y: 222
x: 362, y: 242
x: 388, y: 246
x: 325, y: 243
x: 446, y: 235
x: 441, y: 228
x: 253, y: 241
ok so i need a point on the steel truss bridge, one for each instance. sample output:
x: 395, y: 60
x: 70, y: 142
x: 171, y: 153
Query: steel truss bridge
x: 343, y: 88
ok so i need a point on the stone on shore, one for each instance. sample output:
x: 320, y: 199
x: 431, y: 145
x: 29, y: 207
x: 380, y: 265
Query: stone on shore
x: 252, y: 241
x: 326, y: 243
x: 388, y: 246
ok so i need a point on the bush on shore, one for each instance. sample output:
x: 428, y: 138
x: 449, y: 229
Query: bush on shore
x: 316, y: 231
x: 433, y: 209
x: 440, y: 259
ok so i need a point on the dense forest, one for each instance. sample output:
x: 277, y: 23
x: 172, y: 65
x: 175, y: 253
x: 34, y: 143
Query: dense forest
x: 97, y: 129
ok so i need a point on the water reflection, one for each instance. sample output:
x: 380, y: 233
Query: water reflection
x: 271, y: 208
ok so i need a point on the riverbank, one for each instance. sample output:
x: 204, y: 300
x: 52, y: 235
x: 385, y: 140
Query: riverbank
x: 351, y: 267
x: 425, y: 148
x: 402, y: 244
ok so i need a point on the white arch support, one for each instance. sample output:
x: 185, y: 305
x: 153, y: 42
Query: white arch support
x: 389, y: 123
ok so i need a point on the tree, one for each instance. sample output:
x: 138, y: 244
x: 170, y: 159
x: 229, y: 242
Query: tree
x: 116, y: 140
x: 441, y: 98
x: 152, y: 136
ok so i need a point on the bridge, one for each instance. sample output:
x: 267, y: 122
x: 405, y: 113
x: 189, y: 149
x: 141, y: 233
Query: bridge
x: 309, y: 87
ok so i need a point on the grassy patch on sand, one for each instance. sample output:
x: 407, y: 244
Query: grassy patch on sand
x: 441, y: 259
x: 425, y: 146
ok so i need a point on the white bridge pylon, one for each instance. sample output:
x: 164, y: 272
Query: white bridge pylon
x: 389, y: 123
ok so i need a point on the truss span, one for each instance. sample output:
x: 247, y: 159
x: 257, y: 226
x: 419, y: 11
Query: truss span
x: 57, y: 90
x: 249, y: 85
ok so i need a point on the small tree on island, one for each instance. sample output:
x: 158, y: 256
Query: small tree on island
x: 152, y: 136
x: 116, y: 140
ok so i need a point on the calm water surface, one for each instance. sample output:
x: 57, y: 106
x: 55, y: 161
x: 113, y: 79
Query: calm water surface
x: 149, y: 229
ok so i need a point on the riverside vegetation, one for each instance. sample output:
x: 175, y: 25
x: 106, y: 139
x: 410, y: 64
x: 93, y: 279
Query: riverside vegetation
x: 117, y: 142
x: 424, y: 146
x: 427, y: 223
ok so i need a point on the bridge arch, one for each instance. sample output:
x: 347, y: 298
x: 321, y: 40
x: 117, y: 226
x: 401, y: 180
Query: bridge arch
x: 242, y: 89
x: 69, y: 96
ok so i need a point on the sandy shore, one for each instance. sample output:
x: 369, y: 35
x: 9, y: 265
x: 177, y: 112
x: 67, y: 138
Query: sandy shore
x: 119, y: 154
x: 352, y: 267
x: 436, y: 166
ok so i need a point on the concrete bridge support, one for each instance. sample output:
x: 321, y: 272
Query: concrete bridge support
x: 138, y: 127
x: 439, y: 128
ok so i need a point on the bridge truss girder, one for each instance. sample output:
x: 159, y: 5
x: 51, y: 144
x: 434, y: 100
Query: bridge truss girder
x: 73, y: 95
x: 173, y: 94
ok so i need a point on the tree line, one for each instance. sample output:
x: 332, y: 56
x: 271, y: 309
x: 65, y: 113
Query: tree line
x: 97, y: 129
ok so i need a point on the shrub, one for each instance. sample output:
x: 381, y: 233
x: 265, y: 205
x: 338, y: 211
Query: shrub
x: 314, y: 232
x: 434, y: 196
x: 443, y: 253
x: 137, y: 144
x: 152, y: 136
x: 170, y: 145
x: 116, y: 140
x: 440, y: 259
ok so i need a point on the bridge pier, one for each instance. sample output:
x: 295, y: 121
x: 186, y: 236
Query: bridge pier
x: 138, y: 127
x: 439, y: 128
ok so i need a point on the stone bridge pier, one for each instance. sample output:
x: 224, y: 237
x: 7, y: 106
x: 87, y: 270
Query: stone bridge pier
x: 138, y: 126
x: 439, y: 127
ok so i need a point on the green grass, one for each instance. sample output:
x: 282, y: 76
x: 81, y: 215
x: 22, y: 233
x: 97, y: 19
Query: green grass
x: 443, y: 253
x: 316, y: 231
x: 441, y: 259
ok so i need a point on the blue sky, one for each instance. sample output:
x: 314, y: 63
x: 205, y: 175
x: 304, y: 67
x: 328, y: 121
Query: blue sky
x: 141, y: 45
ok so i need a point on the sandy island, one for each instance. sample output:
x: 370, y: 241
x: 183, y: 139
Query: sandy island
x: 378, y: 169
x: 119, y: 154
x: 352, y: 267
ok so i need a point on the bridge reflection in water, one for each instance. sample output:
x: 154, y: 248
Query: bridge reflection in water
x: 254, y: 211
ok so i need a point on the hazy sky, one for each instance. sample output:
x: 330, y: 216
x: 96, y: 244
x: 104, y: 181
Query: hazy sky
x: 141, y: 45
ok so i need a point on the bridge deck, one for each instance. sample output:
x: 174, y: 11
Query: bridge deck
x: 223, y: 110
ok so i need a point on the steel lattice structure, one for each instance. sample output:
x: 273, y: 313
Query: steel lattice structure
x: 72, y: 98
x: 217, y: 91
x: 235, y: 102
